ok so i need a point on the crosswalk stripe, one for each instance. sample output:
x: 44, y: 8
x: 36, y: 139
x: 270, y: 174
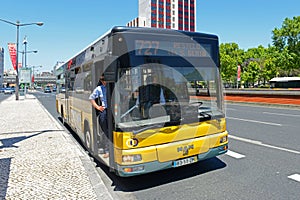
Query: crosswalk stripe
x: 234, y: 154
x: 295, y: 177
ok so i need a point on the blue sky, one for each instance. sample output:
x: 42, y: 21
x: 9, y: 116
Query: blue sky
x: 70, y: 25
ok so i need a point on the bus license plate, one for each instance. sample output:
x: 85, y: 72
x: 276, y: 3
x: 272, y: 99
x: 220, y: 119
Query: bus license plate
x: 185, y: 161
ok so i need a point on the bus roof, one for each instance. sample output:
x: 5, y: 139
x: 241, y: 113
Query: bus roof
x: 117, y: 29
x: 161, y: 30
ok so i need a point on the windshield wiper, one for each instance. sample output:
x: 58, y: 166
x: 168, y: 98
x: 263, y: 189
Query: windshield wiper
x: 197, y: 102
x: 205, y: 115
x: 130, y: 110
x: 146, y: 128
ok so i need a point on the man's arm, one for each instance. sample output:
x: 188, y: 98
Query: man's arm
x: 95, y: 105
x: 92, y: 98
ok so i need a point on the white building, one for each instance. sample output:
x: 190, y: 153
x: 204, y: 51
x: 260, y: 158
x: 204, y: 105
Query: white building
x: 170, y: 14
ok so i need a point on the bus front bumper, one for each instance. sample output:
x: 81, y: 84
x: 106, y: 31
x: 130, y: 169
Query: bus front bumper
x: 133, y: 170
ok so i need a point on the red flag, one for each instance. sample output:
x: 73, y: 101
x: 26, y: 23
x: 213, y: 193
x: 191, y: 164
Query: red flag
x: 32, y: 79
x: 13, y: 54
x: 239, y: 73
x: 70, y: 64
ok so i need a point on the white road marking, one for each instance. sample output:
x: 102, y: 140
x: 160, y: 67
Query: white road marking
x: 295, y: 177
x: 262, y: 144
x: 254, y: 121
x: 234, y: 154
x: 230, y: 109
x: 281, y: 114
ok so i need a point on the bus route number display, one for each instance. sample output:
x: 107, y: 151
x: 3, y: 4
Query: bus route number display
x: 166, y: 48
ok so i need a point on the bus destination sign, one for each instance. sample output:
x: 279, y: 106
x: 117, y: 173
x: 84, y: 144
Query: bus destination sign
x: 167, y: 48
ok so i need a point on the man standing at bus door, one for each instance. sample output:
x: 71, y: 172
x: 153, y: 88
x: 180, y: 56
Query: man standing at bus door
x: 99, y: 93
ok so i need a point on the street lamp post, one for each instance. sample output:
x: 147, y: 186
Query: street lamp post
x: 25, y: 43
x: 18, y: 24
x: 24, y: 64
x: 25, y: 52
x: 32, y: 77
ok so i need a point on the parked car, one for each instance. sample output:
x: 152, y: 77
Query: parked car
x: 8, y: 90
x: 63, y: 90
x: 47, y: 90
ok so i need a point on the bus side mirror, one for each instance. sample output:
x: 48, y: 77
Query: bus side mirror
x: 110, y: 68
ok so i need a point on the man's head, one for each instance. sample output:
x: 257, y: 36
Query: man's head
x: 102, y: 80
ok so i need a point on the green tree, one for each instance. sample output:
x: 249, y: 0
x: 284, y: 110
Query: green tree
x: 261, y: 60
x: 270, y: 67
x: 287, y: 41
x: 230, y: 57
x: 261, y: 64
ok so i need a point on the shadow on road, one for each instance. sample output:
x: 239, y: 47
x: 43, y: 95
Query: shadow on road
x: 141, y: 182
x: 131, y: 184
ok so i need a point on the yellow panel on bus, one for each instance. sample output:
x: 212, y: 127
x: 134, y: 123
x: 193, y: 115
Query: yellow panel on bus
x: 186, y: 148
x: 127, y: 140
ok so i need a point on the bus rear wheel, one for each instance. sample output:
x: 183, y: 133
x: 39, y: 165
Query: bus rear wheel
x: 62, y: 115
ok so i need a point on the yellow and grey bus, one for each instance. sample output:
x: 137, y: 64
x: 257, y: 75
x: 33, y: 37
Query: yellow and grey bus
x: 164, y: 95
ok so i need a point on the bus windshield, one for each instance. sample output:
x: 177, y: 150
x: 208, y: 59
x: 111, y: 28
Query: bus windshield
x: 157, y: 95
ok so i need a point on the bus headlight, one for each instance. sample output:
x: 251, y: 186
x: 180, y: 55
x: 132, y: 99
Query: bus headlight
x: 223, y: 139
x: 132, y: 158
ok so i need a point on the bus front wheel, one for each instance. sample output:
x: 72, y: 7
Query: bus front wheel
x: 87, y: 136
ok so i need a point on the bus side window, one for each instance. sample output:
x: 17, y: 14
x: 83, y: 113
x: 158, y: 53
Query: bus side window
x: 88, y: 82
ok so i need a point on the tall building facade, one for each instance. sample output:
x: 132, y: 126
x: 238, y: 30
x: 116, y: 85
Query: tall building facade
x: 170, y: 14
x: 1, y: 66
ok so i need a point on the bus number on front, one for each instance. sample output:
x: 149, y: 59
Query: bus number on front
x: 146, y: 47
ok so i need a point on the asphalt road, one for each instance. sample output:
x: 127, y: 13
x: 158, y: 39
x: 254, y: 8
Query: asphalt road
x: 4, y: 96
x: 263, y: 161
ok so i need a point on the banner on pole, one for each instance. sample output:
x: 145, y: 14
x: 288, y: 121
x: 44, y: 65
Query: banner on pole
x: 13, y: 54
x: 239, y: 73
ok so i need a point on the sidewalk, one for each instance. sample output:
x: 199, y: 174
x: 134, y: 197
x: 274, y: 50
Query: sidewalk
x: 38, y: 158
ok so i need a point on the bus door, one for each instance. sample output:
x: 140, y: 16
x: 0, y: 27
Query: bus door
x: 100, y: 140
x: 67, y: 96
x: 111, y: 64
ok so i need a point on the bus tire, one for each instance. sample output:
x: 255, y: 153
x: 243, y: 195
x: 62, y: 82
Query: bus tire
x: 87, y: 135
x: 62, y: 115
